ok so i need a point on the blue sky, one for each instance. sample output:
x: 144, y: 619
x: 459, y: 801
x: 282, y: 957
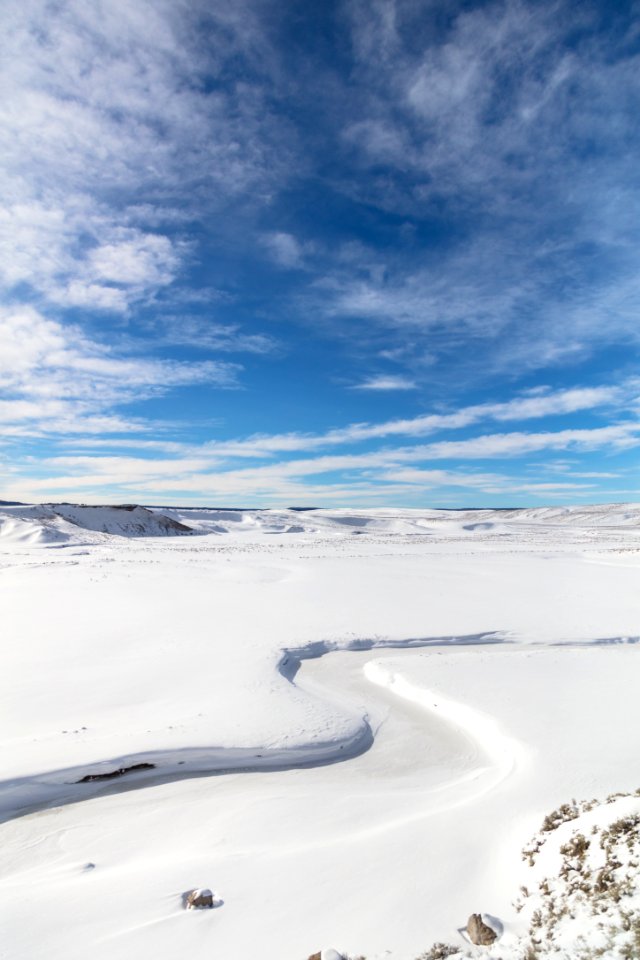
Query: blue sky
x: 346, y: 253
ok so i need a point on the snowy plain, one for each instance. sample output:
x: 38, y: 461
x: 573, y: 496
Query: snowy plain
x: 356, y: 721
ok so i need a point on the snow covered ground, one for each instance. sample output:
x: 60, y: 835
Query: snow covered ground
x: 352, y: 722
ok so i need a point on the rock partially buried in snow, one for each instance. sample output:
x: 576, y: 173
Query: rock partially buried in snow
x: 112, y: 774
x: 200, y: 899
x: 479, y: 932
x: 329, y: 954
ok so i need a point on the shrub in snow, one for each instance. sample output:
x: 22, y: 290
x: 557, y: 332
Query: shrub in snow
x: 440, y: 951
x: 583, y: 898
x: 585, y: 901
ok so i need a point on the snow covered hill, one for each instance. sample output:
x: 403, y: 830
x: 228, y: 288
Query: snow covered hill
x: 55, y: 522
x: 58, y: 522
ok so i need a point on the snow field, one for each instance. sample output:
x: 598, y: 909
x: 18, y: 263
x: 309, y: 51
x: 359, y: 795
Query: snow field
x: 129, y: 648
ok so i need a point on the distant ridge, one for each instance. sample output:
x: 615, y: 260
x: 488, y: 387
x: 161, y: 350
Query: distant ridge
x: 59, y: 523
x: 137, y: 520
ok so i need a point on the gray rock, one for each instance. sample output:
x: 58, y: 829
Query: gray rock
x: 478, y: 931
x: 199, y: 899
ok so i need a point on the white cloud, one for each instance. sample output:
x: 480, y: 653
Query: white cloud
x: 205, y: 334
x: 482, y: 482
x: 383, y: 383
x: 492, y: 446
x: 54, y: 378
x: 117, y: 95
x: 382, y: 141
x: 75, y: 253
x: 485, y: 125
x: 374, y: 475
x: 550, y: 403
x: 112, y: 138
x: 286, y: 249
x: 94, y: 296
x: 140, y: 261
x: 123, y: 443
x: 430, y: 479
x: 557, y: 402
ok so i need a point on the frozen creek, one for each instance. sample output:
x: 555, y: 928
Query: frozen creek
x: 319, y: 835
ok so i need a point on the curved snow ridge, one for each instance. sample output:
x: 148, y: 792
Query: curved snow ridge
x: 292, y: 657
x: 23, y: 795
x: 504, y: 753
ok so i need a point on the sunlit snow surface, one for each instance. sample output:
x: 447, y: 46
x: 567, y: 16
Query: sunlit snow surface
x: 332, y: 787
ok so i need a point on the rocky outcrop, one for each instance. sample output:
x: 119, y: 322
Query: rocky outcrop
x: 123, y: 520
x: 479, y: 932
x: 199, y: 899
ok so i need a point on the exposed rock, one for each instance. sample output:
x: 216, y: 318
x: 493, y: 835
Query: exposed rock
x: 328, y: 954
x: 199, y: 899
x: 125, y: 520
x: 478, y: 931
x: 112, y: 774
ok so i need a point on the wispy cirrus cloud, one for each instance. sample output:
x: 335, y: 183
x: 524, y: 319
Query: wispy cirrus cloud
x: 384, y: 382
x: 115, y: 139
x: 205, y: 334
x: 442, y: 201
x: 543, y: 403
x: 56, y: 379
x: 375, y: 475
x: 111, y: 138
x: 120, y: 99
x: 286, y: 249
x: 506, y: 131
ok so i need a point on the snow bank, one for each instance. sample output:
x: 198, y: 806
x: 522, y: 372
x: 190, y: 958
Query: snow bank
x: 503, y: 752
x: 15, y: 530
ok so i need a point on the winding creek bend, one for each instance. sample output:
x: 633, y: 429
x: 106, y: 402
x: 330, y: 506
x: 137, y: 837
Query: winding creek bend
x: 460, y: 752
x: 436, y: 811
